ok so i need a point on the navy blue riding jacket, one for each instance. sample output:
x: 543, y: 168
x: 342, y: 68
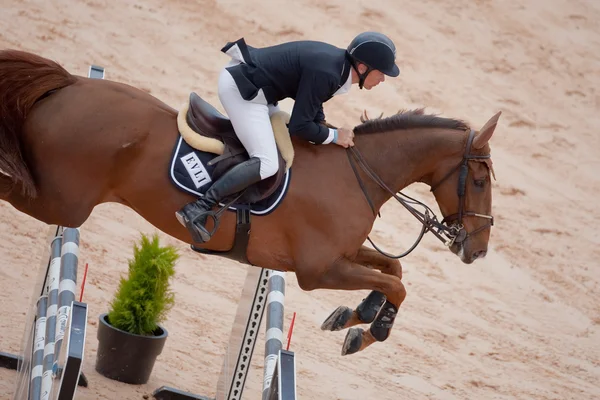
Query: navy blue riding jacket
x: 309, y: 72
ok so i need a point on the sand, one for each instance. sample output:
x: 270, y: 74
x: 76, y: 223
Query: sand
x: 524, y: 323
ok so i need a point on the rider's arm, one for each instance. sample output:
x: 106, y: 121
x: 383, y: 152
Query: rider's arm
x: 313, y: 90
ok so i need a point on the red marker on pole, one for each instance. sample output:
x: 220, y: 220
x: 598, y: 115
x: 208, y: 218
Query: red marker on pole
x: 289, y: 338
x: 83, y: 282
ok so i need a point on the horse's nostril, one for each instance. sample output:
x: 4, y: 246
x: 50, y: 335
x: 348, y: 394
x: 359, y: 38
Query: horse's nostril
x: 479, y: 254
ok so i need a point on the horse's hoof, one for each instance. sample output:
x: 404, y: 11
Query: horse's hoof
x: 338, y: 319
x: 353, y: 341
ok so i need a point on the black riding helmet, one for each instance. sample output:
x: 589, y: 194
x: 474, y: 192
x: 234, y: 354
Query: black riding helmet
x: 376, y: 51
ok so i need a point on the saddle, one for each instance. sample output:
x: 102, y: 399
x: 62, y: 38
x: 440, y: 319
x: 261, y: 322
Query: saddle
x: 204, y: 128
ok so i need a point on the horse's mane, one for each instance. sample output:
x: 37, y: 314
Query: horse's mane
x: 407, y: 119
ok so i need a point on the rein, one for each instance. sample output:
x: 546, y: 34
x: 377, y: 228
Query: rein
x: 449, y: 235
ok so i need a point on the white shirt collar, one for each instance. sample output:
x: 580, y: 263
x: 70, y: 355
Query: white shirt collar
x: 346, y: 86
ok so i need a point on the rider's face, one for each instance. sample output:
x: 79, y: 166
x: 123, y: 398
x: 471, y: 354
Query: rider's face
x: 374, y: 78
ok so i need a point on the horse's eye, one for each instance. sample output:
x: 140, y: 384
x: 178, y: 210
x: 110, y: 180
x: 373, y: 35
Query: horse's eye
x: 479, y: 182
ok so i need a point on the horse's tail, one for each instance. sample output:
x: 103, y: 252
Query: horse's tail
x: 24, y: 78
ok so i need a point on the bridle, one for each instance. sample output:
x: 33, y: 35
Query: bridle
x: 462, y: 234
x: 448, y: 234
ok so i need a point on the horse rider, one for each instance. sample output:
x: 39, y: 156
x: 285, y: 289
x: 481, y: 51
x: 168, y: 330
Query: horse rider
x: 252, y: 83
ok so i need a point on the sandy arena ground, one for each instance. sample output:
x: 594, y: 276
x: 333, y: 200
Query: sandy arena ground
x: 522, y: 324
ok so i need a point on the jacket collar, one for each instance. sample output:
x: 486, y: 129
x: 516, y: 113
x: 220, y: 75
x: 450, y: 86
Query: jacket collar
x: 346, y: 79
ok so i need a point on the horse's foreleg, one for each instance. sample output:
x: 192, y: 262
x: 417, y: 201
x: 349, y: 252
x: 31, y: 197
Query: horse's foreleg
x: 344, y: 317
x: 348, y: 275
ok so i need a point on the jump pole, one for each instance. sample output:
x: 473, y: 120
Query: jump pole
x: 263, y: 289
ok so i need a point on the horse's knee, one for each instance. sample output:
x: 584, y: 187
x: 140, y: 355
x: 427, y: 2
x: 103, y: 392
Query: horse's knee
x: 394, y: 268
x: 402, y: 292
x: 396, y: 292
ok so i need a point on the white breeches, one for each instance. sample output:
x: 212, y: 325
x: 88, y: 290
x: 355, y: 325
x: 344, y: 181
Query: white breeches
x: 252, y: 123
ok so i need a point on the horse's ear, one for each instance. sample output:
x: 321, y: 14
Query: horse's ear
x: 486, y: 132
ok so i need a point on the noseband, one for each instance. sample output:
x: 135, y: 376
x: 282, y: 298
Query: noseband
x: 448, y: 234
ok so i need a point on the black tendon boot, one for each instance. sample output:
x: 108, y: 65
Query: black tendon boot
x: 193, y: 215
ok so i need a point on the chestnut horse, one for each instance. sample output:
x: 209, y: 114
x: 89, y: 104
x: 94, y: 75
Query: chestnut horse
x: 69, y: 143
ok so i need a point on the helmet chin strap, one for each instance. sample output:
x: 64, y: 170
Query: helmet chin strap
x: 361, y: 77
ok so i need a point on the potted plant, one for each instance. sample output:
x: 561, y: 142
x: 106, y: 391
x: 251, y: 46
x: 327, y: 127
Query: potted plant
x: 130, y: 336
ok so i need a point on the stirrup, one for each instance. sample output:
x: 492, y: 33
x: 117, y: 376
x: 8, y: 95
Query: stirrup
x: 198, y: 231
x: 206, y: 235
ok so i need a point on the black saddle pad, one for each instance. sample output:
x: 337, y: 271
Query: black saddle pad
x: 191, y: 173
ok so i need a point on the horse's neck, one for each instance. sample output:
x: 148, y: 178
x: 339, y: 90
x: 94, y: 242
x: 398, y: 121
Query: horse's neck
x: 406, y: 157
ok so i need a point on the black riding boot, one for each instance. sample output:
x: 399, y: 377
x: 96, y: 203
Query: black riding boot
x: 193, y: 215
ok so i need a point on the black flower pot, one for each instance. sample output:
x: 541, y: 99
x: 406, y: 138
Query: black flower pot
x: 127, y: 357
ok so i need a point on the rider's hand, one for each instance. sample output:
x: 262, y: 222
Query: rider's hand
x: 345, y: 137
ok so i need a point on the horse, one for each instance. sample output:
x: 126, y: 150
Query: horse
x: 69, y: 143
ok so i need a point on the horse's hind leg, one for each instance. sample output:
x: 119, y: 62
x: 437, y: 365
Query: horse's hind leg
x: 348, y: 275
x: 344, y: 317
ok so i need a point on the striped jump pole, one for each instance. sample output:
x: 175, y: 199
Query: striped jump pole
x: 69, y: 258
x: 38, y: 350
x: 274, y: 328
x: 46, y: 323
x: 54, y: 308
x: 61, y: 294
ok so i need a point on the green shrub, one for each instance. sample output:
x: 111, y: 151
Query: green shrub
x: 144, y: 298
